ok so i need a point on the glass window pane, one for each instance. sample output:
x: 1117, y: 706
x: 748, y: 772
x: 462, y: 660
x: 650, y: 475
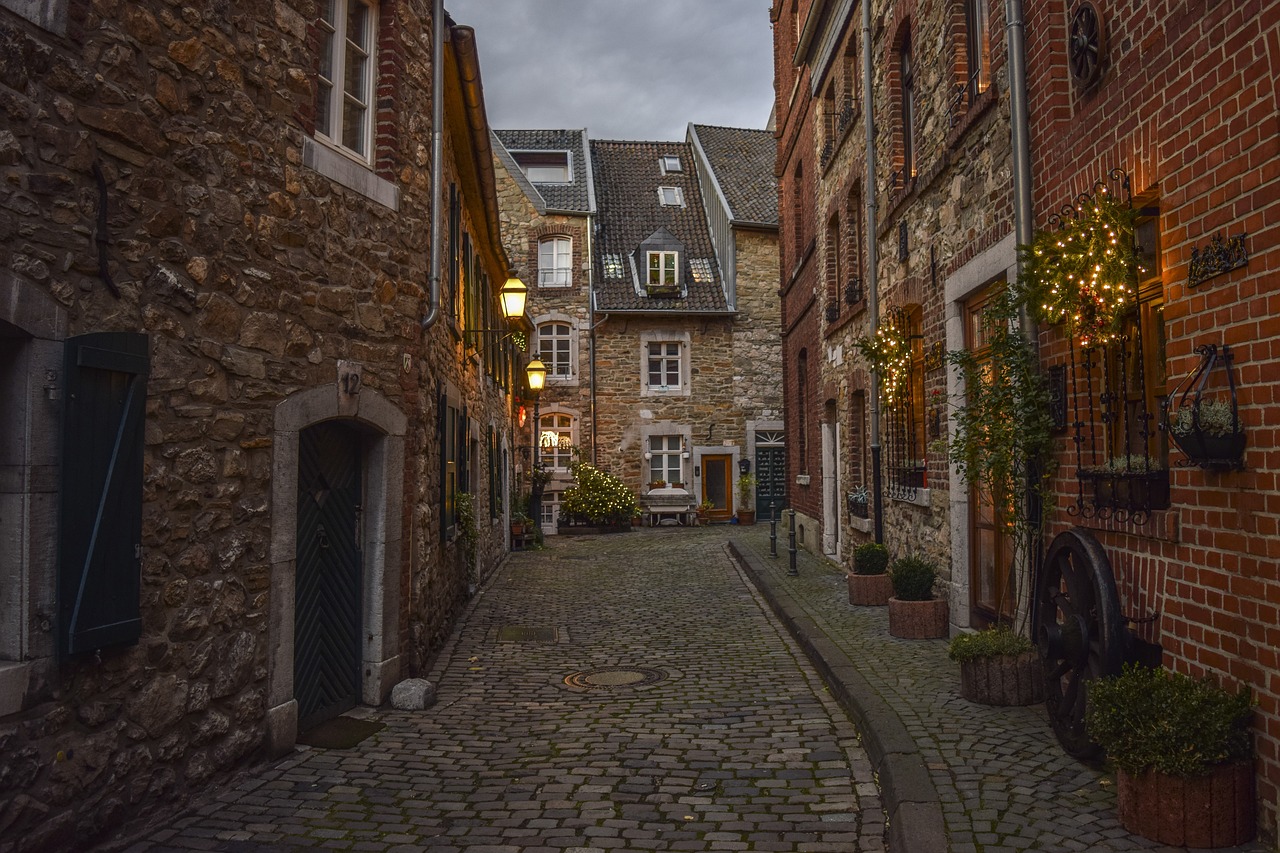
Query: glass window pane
x: 358, y: 25
x: 353, y: 126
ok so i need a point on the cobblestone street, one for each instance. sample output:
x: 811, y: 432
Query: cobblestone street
x: 735, y: 745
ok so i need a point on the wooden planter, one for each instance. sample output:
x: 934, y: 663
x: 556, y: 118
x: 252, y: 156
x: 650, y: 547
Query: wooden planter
x: 918, y: 620
x: 1200, y: 811
x: 1003, y: 680
x: 746, y: 516
x: 870, y: 590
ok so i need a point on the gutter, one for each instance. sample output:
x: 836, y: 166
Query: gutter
x: 437, y: 147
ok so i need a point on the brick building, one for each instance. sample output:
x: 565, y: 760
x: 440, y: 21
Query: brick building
x: 1181, y: 100
x: 239, y: 428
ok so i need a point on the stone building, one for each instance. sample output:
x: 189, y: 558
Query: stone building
x: 684, y: 334
x: 239, y: 428
x: 547, y: 201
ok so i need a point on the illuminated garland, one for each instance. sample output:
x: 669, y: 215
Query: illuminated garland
x: 1085, y: 273
x: 888, y: 353
x: 597, y: 497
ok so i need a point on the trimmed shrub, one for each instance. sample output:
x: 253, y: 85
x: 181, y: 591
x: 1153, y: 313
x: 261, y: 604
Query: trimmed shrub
x: 913, y: 578
x: 597, y: 498
x: 870, y: 559
x: 993, y: 642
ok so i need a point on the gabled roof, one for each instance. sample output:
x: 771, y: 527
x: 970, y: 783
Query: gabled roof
x: 627, y: 178
x: 573, y: 197
x: 742, y: 167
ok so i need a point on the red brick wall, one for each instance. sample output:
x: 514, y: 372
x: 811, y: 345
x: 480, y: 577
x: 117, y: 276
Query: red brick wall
x: 1187, y: 105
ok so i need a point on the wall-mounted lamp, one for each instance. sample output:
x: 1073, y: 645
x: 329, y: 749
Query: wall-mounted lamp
x: 512, y: 298
x: 744, y: 466
x: 536, y: 375
x: 648, y: 455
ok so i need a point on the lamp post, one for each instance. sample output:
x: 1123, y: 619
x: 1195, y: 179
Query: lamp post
x: 536, y: 376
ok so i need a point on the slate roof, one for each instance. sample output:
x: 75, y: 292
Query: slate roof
x: 742, y: 163
x: 573, y: 197
x: 627, y: 177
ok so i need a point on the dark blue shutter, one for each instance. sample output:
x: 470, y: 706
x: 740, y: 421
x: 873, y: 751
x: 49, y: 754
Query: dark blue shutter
x: 99, y: 574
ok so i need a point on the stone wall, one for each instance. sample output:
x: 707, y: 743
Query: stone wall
x: 260, y: 274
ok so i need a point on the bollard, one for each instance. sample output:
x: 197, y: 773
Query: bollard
x: 791, y: 546
x: 773, y: 529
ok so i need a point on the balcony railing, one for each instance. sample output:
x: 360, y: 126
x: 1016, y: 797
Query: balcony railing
x: 555, y: 278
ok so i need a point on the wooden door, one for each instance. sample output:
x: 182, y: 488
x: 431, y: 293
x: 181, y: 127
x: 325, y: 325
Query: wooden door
x: 717, y: 486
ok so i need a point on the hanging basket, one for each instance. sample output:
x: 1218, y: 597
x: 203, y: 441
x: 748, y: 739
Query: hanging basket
x: 1202, y: 415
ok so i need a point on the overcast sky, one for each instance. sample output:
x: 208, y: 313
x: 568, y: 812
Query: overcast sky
x: 623, y: 69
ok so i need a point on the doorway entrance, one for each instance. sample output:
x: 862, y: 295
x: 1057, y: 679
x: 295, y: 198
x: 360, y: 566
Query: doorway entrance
x: 327, y: 604
x: 717, y: 486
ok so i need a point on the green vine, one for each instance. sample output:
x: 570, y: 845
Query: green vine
x: 1003, y: 433
x: 1084, y: 273
x: 888, y: 353
x: 468, y: 529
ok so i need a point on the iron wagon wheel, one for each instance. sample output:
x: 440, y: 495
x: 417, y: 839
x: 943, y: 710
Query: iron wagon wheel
x: 1079, y: 632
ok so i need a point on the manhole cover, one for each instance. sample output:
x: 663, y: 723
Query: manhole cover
x: 609, y: 677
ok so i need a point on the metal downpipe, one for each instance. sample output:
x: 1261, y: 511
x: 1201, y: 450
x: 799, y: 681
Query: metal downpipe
x: 873, y: 296
x: 437, y: 149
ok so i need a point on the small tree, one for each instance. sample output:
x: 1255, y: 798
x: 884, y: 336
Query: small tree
x: 597, y: 497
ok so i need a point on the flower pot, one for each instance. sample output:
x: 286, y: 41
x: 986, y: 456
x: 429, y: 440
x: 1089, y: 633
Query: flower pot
x: 1211, y: 451
x: 746, y: 516
x: 870, y: 590
x: 1216, y: 810
x: 1003, y: 680
x: 918, y: 620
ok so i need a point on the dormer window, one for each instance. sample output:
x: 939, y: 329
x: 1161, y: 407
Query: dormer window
x: 671, y: 196
x: 670, y: 163
x: 544, y: 167
x: 663, y: 268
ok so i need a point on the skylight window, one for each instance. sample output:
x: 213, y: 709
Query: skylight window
x: 613, y: 266
x: 701, y: 268
x: 670, y: 163
x: 671, y: 196
x: 544, y: 167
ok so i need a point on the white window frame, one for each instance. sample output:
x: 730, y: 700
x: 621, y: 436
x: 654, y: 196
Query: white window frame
x: 555, y: 375
x: 334, y: 33
x: 560, y: 456
x: 671, y: 196
x: 649, y: 342
x: 668, y: 269
x: 670, y: 164
x: 539, y: 173
x: 555, y: 262
x: 666, y: 458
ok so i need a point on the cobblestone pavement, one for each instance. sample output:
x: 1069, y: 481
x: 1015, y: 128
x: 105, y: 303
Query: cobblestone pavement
x: 1002, y: 782
x: 736, y: 746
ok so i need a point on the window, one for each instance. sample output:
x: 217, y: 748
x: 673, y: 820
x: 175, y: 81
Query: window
x: 670, y: 163
x: 671, y: 196
x: 908, y: 94
x: 664, y: 366
x: 797, y: 212
x: 555, y: 262
x: 612, y: 264
x: 556, y: 440
x: 702, y: 270
x: 544, y: 167
x: 904, y: 408
x: 977, y: 48
x: 555, y: 349
x: 344, y: 91
x: 663, y: 269
x: 802, y: 409
x: 664, y: 462
x: 834, y: 273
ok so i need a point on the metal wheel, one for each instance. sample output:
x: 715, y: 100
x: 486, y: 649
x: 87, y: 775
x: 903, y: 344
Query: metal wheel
x: 1086, y: 44
x: 1079, y: 631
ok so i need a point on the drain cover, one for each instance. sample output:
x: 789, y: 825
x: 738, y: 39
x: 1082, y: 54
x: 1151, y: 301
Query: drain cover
x: 609, y: 677
x: 527, y: 634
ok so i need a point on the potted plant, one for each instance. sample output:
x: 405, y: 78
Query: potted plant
x: 914, y: 612
x: 1183, y: 756
x: 1128, y: 482
x: 859, y: 502
x: 703, y: 510
x: 1209, y: 432
x: 998, y: 667
x: 869, y: 583
x: 657, y: 484
x: 597, y: 500
x: 746, y: 490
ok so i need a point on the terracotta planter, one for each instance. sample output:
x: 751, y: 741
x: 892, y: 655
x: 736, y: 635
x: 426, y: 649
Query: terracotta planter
x: 1003, y: 680
x: 918, y: 620
x: 1200, y: 811
x: 746, y: 516
x: 870, y: 590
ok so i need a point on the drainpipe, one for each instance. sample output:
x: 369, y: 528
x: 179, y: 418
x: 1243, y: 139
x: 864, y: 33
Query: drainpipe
x: 591, y: 330
x: 1024, y: 224
x: 437, y: 146
x: 873, y: 295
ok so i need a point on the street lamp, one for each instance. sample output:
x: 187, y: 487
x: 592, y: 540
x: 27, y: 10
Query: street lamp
x: 513, y: 295
x: 536, y: 376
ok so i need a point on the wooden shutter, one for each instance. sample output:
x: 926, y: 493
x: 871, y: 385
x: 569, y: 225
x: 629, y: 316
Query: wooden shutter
x: 99, y: 575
